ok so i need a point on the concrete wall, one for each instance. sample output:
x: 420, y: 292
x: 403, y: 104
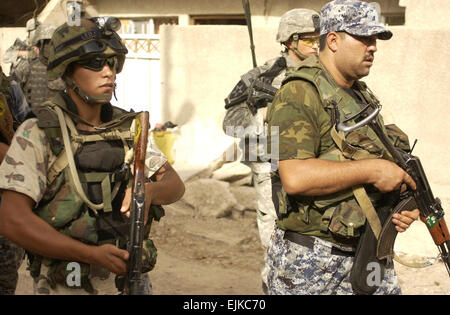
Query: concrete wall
x: 410, y: 76
x: 264, y: 12
x: 200, y: 66
x: 427, y: 13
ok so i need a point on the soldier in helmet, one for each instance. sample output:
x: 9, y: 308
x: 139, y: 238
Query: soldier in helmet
x: 32, y: 74
x: 298, y: 32
x: 66, y: 179
x: 20, y: 51
x: 336, y: 185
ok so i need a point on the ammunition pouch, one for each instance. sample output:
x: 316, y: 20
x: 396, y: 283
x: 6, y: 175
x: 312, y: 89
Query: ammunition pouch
x: 345, y: 221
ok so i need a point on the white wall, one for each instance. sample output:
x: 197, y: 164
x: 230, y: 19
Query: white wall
x: 410, y: 76
x: 199, y: 67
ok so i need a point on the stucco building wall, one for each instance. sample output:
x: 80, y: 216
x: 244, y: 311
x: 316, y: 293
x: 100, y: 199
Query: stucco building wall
x: 200, y: 66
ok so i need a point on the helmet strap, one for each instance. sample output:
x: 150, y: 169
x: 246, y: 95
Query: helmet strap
x: 90, y: 99
x: 295, y: 39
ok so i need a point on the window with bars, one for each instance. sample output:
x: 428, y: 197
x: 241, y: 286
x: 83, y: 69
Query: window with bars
x: 149, y: 25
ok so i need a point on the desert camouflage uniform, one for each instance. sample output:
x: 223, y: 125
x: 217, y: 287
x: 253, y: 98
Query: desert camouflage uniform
x: 11, y: 255
x: 240, y: 115
x: 24, y: 171
x: 12, y: 56
x: 291, y: 25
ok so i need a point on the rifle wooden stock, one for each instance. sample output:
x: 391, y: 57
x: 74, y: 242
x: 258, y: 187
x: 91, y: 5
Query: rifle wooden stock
x: 439, y: 232
x: 134, y: 283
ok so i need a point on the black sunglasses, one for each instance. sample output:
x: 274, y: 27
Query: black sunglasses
x: 97, y: 63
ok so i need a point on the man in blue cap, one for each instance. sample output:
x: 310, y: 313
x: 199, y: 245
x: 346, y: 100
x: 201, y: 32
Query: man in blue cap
x: 329, y: 181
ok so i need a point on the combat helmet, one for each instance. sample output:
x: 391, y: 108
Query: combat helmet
x: 296, y: 22
x: 31, y: 27
x: 93, y: 38
x: 41, y: 39
x: 32, y: 24
x: 43, y: 32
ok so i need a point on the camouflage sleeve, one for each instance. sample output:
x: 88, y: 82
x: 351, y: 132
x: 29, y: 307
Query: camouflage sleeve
x: 24, y: 168
x: 11, y: 55
x: 154, y: 158
x: 297, y: 111
x: 21, y: 72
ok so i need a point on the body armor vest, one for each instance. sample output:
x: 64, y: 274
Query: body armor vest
x: 36, y: 89
x: 102, y: 161
x: 339, y: 213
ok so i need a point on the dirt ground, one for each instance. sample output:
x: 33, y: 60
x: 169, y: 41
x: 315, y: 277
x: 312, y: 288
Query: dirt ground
x: 210, y: 256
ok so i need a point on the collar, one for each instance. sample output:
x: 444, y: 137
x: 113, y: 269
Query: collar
x: 290, y: 62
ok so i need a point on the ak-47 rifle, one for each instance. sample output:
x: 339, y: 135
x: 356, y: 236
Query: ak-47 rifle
x: 134, y: 284
x: 431, y: 212
x: 430, y: 208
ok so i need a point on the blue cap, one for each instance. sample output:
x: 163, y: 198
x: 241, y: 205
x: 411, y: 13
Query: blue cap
x: 354, y: 17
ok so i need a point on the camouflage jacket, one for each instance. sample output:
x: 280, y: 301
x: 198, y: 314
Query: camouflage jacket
x: 302, y: 111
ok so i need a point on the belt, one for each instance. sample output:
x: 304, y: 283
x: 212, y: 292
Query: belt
x: 308, y: 241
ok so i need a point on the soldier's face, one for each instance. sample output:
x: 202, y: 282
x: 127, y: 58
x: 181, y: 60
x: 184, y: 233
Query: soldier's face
x: 95, y: 82
x: 308, y: 44
x: 355, y: 55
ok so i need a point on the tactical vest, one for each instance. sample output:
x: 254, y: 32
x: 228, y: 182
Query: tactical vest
x: 86, y: 185
x: 340, y: 213
x: 35, y: 88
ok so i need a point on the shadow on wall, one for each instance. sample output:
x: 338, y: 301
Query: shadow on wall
x: 187, y: 111
x: 185, y: 115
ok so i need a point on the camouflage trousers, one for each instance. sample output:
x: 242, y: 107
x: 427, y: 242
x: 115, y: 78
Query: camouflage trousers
x: 266, y: 215
x: 102, y: 281
x: 299, y: 270
x: 11, y: 256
